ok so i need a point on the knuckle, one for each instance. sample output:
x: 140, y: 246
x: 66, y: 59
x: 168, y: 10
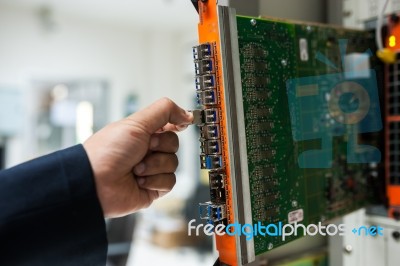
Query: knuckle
x: 174, y: 141
x: 158, y: 160
x: 165, y: 161
x: 148, y: 204
x: 152, y: 161
x: 175, y: 161
x: 173, y: 179
x: 167, y: 102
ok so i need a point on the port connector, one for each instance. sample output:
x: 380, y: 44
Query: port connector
x: 205, y: 82
x: 218, y: 195
x: 202, y: 51
x: 198, y: 117
x: 210, y: 131
x: 207, y: 97
x: 213, y: 213
x: 204, y: 66
x: 211, y: 116
x: 210, y: 147
x: 210, y: 161
x: 217, y: 186
x: 217, y: 179
x: 208, y: 116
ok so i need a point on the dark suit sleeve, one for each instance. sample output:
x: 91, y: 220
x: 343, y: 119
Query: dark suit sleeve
x: 50, y: 213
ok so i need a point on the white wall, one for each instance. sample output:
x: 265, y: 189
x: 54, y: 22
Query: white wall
x: 152, y: 63
x: 308, y: 10
x: 358, y: 11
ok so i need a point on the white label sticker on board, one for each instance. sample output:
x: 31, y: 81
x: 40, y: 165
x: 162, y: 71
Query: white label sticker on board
x: 303, y: 44
x: 296, y: 216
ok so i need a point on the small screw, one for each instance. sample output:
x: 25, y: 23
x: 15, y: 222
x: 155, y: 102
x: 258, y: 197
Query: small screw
x: 308, y: 28
x: 253, y: 22
x: 284, y: 62
x: 294, y: 203
x: 348, y: 249
x: 270, y: 246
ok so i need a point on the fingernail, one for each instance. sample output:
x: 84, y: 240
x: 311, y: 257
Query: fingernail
x: 139, y: 169
x: 181, y: 127
x: 154, y: 142
x: 141, y: 181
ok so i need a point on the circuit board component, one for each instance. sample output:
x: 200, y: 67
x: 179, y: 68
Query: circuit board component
x: 271, y: 53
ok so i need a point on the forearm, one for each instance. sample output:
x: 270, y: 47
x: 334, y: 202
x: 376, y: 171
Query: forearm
x: 55, y: 179
x: 49, y: 212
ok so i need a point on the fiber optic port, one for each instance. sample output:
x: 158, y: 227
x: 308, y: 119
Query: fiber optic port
x: 217, y: 195
x: 210, y: 147
x: 212, y: 212
x: 210, y: 161
x: 211, y: 116
x: 207, y: 97
x: 217, y: 186
x: 198, y: 117
x: 205, y: 82
x: 210, y: 131
x: 202, y: 51
x: 205, y: 66
x: 217, y: 179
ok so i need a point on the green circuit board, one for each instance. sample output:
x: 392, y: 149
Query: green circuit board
x: 272, y: 53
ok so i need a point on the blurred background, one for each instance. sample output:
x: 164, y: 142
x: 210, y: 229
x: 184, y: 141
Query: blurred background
x: 67, y: 68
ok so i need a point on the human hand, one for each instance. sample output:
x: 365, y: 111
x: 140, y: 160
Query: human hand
x: 133, y: 160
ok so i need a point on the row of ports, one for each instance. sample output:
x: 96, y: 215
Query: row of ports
x: 210, y: 143
x: 214, y: 211
x: 205, y: 68
x: 208, y: 121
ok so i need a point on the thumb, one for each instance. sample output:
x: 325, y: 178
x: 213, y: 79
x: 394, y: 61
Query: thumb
x: 160, y: 113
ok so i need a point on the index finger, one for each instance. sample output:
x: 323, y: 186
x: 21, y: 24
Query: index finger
x: 160, y: 113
